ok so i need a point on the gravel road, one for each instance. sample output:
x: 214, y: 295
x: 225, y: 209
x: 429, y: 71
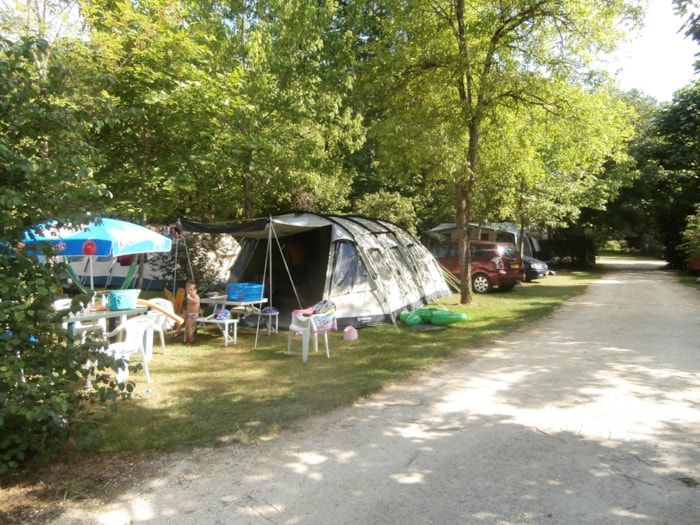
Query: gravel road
x: 591, y: 416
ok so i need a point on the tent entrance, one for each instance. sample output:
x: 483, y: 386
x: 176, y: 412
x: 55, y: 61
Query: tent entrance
x: 306, y: 257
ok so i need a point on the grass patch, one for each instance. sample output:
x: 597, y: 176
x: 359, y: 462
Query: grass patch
x: 689, y: 280
x: 209, y: 395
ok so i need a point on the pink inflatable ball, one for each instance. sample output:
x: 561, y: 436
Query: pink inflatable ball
x: 350, y: 333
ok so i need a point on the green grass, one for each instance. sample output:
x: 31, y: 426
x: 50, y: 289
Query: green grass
x: 689, y: 280
x: 208, y: 394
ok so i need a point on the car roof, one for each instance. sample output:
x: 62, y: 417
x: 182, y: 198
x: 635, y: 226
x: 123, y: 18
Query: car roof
x: 490, y: 243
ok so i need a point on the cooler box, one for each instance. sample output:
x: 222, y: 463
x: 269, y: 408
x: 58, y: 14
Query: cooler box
x: 244, y: 292
x: 123, y: 299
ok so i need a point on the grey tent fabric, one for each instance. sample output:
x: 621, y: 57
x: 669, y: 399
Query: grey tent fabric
x: 371, y: 269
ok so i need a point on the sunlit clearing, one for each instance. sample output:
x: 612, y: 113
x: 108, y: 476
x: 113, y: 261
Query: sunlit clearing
x: 306, y: 461
x: 409, y: 479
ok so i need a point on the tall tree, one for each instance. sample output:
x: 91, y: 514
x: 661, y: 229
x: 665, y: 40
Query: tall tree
x: 547, y: 177
x: 451, y: 71
x: 628, y: 216
x: 295, y: 129
x: 227, y: 110
x: 677, y: 155
x: 153, y: 60
x: 45, y: 153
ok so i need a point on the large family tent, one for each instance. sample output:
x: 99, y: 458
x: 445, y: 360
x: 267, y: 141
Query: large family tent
x: 371, y: 269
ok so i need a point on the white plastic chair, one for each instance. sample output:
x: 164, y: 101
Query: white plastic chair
x: 161, y: 322
x: 308, y: 323
x: 98, y: 327
x: 138, y: 335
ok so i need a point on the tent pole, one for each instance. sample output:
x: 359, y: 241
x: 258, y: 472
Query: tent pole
x: 189, y: 263
x: 268, y: 258
x: 177, y: 242
x: 110, y: 274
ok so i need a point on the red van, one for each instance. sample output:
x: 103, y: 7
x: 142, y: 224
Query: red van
x: 694, y: 265
x: 493, y: 264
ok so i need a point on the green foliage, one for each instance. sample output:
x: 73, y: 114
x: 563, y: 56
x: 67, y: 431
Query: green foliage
x: 42, y: 375
x: 626, y: 217
x: 667, y: 189
x: 223, y: 112
x: 691, y: 235
x: 34, y: 406
x: 501, y: 101
x: 690, y: 10
x: 153, y: 65
x: 391, y: 207
x: 46, y: 168
x: 44, y: 149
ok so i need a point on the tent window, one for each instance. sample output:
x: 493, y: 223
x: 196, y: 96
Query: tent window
x: 349, y: 271
x: 381, y: 261
x: 246, y: 254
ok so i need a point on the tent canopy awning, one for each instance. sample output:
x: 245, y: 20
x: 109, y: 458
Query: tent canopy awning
x: 288, y: 224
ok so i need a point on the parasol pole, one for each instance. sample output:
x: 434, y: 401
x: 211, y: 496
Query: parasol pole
x: 92, y: 279
x: 89, y: 248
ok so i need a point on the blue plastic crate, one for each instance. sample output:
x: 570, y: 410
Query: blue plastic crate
x: 244, y: 292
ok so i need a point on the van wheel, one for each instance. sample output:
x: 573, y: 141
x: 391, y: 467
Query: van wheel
x: 481, y: 283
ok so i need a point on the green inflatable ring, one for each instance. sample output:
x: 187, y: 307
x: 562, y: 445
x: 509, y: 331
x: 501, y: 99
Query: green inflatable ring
x: 445, y: 317
x: 413, y: 319
x: 403, y: 315
x: 428, y: 313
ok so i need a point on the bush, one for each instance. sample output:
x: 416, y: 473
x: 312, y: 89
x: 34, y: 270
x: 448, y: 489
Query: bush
x: 43, y: 402
x: 46, y: 167
x: 691, y: 235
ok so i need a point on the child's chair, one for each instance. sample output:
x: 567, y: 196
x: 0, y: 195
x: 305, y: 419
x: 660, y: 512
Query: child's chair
x: 315, y: 320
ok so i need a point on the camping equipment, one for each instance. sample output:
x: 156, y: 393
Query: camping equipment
x: 371, y: 269
x: 103, y: 238
x: 436, y: 316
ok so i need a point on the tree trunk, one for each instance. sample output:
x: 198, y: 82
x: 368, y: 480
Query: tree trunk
x: 464, y: 190
x: 465, y: 270
x: 246, y: 195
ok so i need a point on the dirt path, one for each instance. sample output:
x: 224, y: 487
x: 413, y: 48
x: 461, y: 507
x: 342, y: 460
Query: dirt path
x: 591, y: 416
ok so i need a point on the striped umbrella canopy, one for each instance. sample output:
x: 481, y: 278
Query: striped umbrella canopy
x: 104, y: 238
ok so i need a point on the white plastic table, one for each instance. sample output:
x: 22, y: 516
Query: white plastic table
x: 71, y: 320
x: 238, y: 309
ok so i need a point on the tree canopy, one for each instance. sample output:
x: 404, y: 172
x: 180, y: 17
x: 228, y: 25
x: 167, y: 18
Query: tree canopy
x: 656, y: 206
x: 468, y: 96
